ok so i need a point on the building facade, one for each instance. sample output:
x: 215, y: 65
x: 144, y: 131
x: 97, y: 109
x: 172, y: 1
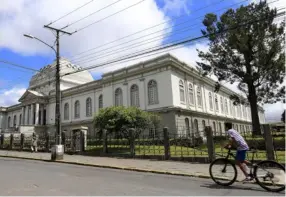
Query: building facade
x: 185, y: 101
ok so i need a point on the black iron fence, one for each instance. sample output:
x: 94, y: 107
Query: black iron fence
x: 164, y: 144
x: 23, y: 142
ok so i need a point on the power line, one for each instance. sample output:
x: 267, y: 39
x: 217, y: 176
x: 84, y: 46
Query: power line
x: 70, y: 12
x: 122, y: 49
x: 81, y: 57
x: 108, y: 16
x: 145, y: 29
x: 169, y: 46
x: 91, y: 14
x: 17, y: 65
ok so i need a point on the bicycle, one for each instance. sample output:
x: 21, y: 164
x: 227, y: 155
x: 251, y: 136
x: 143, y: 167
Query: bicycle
x: 266, y: 177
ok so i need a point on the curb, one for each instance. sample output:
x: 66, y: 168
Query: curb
x: 112, y: 167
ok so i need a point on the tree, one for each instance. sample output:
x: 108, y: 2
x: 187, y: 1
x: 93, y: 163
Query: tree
x: 283, y: 116
x: 247, y: 47
x: 120, y: 120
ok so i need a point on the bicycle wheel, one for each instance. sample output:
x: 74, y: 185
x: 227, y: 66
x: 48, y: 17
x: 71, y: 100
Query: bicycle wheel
x: 223, y: 167
x: 270, y: 173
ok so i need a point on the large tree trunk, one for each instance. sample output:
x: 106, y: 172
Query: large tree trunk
x: 252, y: 98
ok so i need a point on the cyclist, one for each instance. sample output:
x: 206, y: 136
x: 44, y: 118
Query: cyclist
x: 242, y: 147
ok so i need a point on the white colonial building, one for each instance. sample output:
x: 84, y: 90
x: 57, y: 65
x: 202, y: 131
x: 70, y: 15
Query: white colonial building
x: 185, y: 101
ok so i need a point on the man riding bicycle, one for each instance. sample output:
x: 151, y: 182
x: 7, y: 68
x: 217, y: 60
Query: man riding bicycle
x: 242, y: 147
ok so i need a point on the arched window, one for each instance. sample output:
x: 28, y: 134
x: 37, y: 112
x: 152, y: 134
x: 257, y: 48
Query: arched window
x: 203, y: 124
x: 204, y: 127
x: 9, y: 121
x: 210, y: 101
x: 216, y: 103
x: 100, y: 102
x: 187, y: 124
x: 152, y: 92
x: 199, y: 96
x: 221, y: 105
x: 220, y: 128
x: 243, y: 111
x: 230, y: 108
x: 238, y: 111
x: 191, y: 94
x: 196, y: 127
x: 226, y: 107
x: 182, y: 91
x: 20, y: 119
x: 14, y: 121
x: 88, y: 107
x: 214, y: 128
x: 134, y: 94
x: 77, y: 109
x: 66, y: 111
x: 118, y: 97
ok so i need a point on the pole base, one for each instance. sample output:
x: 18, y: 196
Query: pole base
x: 57, y: 152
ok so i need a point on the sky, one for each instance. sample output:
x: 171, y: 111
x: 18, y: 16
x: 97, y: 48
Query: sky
x: 102, y: 35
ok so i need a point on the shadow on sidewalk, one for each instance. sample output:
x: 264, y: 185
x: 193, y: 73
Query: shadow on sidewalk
x: 241, y: 187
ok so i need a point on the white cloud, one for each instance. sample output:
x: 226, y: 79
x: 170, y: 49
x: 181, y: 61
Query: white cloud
x: 11, y: 97
x: 26, y: 16
x: 177, y: 7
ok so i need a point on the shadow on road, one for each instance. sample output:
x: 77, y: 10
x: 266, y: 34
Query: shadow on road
x: 240, y: 187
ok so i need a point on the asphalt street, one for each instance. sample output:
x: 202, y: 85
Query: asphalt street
x: 36, y: 178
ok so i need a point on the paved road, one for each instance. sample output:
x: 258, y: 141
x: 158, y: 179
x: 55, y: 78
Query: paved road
x: 24, y: 177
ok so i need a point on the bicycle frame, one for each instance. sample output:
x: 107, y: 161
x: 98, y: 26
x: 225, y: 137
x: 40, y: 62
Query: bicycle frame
x: 253, y: 166
x: 229, y: 153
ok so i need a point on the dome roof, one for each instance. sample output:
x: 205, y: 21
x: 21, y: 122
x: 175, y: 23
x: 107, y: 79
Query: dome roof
x: 47, y: 74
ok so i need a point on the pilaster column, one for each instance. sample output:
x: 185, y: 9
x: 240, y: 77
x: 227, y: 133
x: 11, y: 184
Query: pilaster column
x: 42, y: 114
x: 32, y: 114
x: 26, y: 115
x: 37, y: 109
x: 23, y: 115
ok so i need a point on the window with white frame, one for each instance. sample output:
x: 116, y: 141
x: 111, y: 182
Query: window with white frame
x: 199, y: 96
x: 221, y: 105
x: 216, y: 103
x: 118, y: 97
x: 66, y: 111
x: 210, y: 101
x: 77, y: 109
x: 152, y: 92
x: 239, y: 111
x: 214, y: 128
x: 100, y: 102
x: 88, y: 107
x: 226, y: 106
x: 9, y: 121
x: 191, y: 94
x: 243, y: 111
x: 134, y: 94
x: 196, y: 127
x: 15, y: 121
x: 20, y: 119
x: 230, y: 108
x: 220, y: 128
x: 187, y: 124
x: 182, y: 91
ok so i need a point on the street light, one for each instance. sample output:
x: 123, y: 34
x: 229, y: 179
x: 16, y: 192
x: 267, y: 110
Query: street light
x: 57, y: 152
x: 33, y: 37
x: 29, y: 36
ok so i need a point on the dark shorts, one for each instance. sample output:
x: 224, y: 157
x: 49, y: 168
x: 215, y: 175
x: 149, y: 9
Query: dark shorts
x: 240, y: 155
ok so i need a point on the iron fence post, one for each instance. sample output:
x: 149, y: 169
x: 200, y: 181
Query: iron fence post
x: 210, y: 143
x: 166, y: 143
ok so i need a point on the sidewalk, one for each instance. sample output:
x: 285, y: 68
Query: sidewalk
x: 140, y: 165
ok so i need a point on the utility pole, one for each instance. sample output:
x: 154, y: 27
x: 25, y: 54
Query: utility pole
x: 57, y: 151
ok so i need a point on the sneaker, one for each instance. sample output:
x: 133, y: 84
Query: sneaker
x: 247, y: 179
